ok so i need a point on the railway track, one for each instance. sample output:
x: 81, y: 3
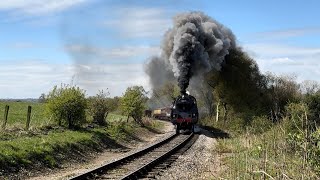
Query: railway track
x: 146, y: 163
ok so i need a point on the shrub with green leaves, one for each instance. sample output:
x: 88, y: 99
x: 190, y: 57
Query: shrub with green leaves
x: 133, y: 103
x: 313, y: 102
x: 67, y: 105
x: 303, y: 136
x: 296, y: 119
x: 315, y: 150
x: 260, y: 124
x: 99, y: 107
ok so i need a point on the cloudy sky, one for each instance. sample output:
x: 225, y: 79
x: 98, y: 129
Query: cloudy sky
x: 100, y: 44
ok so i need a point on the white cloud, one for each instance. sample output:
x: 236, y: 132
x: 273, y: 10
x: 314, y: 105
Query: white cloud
x: 284, y: 59
x: 115, y: 77
x: 275, y: 50
x: 23, y: 45
x: 113, y: 53
x: 31, y: 78
x: 38, y: 7
x: 138, y: 22
x: 286, y: 33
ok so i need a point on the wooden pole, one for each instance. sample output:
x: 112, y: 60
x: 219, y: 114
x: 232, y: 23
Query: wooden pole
x: 28, y: 118
x: 217, y: 109
x: 6, y: 111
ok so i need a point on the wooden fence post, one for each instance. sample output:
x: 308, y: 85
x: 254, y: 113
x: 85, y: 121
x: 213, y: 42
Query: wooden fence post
x: 6, y: 111
x: 28, y: 118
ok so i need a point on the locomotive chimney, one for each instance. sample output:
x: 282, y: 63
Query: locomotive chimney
x: 183, y: 92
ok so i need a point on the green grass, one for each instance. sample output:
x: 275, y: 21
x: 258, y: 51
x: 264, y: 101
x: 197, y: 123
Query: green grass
x: 115, y: 117
x: 59, y: 144
x: 266, y: 155
x: 24, y: 150
x: 17, y: 116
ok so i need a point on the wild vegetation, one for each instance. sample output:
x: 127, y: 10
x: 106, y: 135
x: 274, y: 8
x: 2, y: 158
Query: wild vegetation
x: 100, y: 106
x: 67, y: 105
x: 272, y: 119
x: 133, y: 103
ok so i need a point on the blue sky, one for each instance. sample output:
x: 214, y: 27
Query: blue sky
x: 99, y: 44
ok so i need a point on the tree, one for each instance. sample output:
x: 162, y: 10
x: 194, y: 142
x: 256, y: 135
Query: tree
x: 114, y: 103
x: 313, y: 102
x: 99, y: 107
x: 281, y: 91
x: 163, y: 95
x: 309, y: 87
x: 132, y: 103
x: 239, y: 85
x: 42, y: 98
x: 67, y: 105
x: 203, y: 91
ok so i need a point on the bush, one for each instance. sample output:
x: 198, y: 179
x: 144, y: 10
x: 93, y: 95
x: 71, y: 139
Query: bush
x: 313, y: 102
x: 304, y: 137
x: 133, y: 103
x: 315, y: 151
x: 296, y: 119
x: 99, y: 107
x: 260, y: 124
x: 67, y: 105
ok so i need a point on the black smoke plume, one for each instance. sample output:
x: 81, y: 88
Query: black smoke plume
x: 195, y: 45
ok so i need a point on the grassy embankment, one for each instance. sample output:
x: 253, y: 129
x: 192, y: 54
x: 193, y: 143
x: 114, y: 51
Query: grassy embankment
x: 48, y: 145
x: 264, y: 151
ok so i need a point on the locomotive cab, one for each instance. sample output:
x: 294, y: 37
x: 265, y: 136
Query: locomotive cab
x: 184, y: 112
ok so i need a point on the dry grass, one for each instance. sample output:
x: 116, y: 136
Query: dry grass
x: 264, y: 156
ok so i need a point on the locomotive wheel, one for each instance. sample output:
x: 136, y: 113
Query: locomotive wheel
x: 177, y: 129
x: 192, y: 128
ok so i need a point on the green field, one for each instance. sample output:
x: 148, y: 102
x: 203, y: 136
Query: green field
x: 17, y: 116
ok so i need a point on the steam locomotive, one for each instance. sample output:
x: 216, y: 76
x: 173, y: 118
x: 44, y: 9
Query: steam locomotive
x: 184, y: 112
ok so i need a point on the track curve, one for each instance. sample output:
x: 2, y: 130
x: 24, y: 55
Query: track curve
x: 140, y: 164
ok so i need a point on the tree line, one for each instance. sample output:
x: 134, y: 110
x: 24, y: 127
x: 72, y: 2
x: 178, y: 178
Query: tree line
x: 68, y: 105
x: 239, y: 89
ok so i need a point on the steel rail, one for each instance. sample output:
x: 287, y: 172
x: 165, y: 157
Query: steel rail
x: 112, y: 165
x: 145, y: 168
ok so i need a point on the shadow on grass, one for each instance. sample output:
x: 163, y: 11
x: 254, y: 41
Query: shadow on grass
x: 104, y: 141
x: 213, y: 132
x: 153, y: 130
x: 132, y: 136
x: 54, y: 157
